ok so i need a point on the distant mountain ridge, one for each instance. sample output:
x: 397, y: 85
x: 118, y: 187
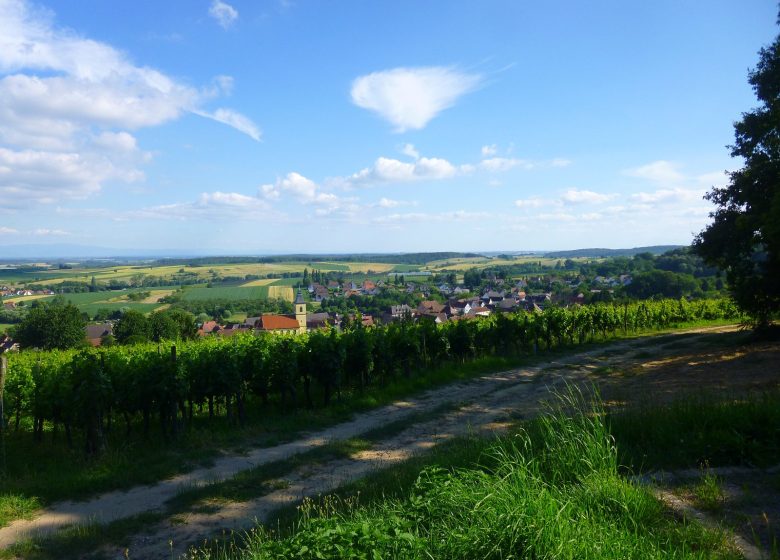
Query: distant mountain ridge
x: 596, y: 253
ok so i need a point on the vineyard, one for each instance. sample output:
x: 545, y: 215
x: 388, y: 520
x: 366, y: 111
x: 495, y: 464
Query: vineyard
x: 89, y: 393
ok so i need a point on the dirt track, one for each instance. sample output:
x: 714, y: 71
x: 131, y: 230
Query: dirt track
x: 486, y: 402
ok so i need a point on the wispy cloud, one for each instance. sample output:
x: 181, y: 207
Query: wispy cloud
x: 660, y: 171
x: 499, y: 164
x: 489, y: 151
x: 409, y: 98
x: 224, y: 14
x: 574, y: 196
x: 410, y: 150
x: 234, y: 119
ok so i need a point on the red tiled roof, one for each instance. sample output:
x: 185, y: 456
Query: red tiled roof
x: 277, y: 323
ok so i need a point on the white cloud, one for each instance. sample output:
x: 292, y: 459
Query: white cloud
x: 208, y: 206
x: 45, y: 232
x: 410, y: 150
x: 223, y: 13
x: 557, y: 217
x: 574, y: 196
x: 658, y: 171
x: 234, y: 119
x: 668, y: 196
x: 388, y: 170
x: 69, y: 102
x: 490, y: 150
x: 388, y: 203
x: 8, y: 231
x: 410, y: 97
x: 43, y: 177
x: 560, y: 162
x: 534, y: 202
x: 302, y: 189
x: 457, y: 215
x: 499, y: 164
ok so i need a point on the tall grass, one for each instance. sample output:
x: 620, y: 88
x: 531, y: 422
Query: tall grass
x: 700, y: 430
x: 551, y: 491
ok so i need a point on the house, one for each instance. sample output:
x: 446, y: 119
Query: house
x: 478, y: 312
x: 368, y: 286
x: 333, y: 285
x: 430, y: 307
x: 277, y: 323
x: 320, y: 293
x: 397, y: 312
x: 506, y: 305
x: 459, y: 307
x: 209, y: 327
x: 440, y: 318
x: 96, y: 333
x: 251, y: 322
x: 9, y: 306
x: 492, y: 297
x: 317, y: 320
x: 232, y: 330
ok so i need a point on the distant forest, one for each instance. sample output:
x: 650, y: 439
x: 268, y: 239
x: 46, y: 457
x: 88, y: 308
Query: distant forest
x: 403, y: 258
x: 596, y: 253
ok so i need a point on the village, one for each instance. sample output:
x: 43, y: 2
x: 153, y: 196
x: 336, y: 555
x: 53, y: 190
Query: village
x: 314, y: 304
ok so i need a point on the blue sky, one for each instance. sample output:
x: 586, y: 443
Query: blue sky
x: 352, y: 126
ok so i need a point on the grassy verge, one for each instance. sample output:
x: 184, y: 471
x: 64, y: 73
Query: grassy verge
x: 35, y: 474
x: 700, y: 431
x: 552, y: 490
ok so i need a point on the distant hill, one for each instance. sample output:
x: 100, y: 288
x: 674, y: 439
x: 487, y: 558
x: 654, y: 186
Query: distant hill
x: 34, y: 252
x: 595, y: 253
x: 391, y: 258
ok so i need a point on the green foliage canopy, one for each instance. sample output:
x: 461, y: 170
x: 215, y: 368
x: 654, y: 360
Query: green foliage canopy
x: 51, y: 325
x: 744, y: 237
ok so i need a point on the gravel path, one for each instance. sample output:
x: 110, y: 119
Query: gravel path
x: 487, y: 399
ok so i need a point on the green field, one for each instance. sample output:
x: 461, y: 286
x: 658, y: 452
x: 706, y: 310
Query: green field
x: 233, y: 293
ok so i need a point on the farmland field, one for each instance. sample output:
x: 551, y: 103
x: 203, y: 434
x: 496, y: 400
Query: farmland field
x: 358, y: 266
x: 233, y: 292
x: 485, y: 262
x: 255, y: 283
x: 281, y: 292
x: 25, y: 298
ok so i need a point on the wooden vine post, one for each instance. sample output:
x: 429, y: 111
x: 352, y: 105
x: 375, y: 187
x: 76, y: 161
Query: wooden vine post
x: 3, y: 371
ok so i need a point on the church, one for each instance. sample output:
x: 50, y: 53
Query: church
x: 285, y: 323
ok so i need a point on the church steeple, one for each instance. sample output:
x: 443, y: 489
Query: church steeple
x: 300, y: 311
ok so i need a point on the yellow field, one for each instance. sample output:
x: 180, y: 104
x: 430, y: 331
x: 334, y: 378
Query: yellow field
x: 263, y: 282
x: 462, y: 264
x: 154, y: 295
x: 25, y: 298
x: 361, y: 266
x: 281, y: 292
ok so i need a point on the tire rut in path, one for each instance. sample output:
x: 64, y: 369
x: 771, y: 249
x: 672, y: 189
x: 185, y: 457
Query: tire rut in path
x: 173, y: 536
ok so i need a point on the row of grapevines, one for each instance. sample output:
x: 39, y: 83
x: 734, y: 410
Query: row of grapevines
x: 90, y: 392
